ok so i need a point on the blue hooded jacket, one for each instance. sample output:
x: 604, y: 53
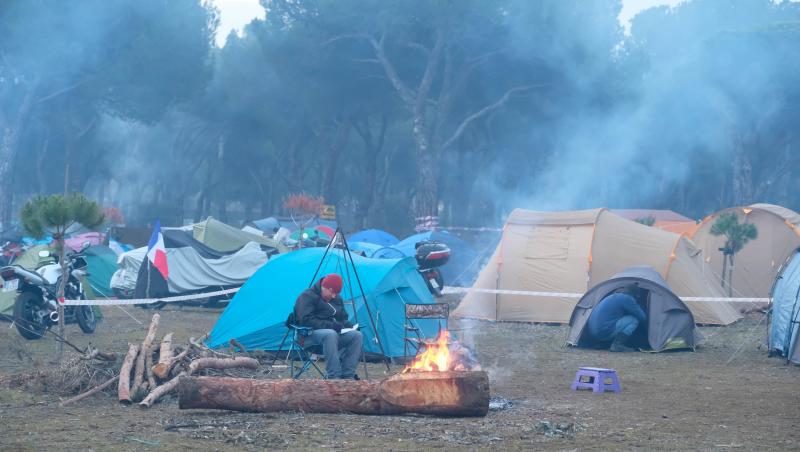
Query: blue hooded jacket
x: 610, y: 309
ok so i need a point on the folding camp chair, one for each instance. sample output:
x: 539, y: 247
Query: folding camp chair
x: 298, y: 350
x: 422, y: 311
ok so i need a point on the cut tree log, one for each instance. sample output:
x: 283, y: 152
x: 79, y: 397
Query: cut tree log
x: 156, y: 393
x: 148, y: 363
x: 436, y: 393
x: 124, y: 387
x: 222, y: 363
x: 161, y: 370
x: 198, y: 364
x: 138, y: 374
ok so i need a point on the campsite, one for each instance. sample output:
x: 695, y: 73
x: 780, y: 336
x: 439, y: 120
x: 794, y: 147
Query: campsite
x: 399, y: 224
x: 669, y: 401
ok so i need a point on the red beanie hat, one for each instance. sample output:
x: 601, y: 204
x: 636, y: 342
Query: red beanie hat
x: 332, y: 282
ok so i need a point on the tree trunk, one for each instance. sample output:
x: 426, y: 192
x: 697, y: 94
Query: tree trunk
x: 426, y: 197
x: 328, y: 188
x: 10, y: 134
x: 437, y: 393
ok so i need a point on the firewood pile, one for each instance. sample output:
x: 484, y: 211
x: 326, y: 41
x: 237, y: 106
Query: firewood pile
x: 148, y: 371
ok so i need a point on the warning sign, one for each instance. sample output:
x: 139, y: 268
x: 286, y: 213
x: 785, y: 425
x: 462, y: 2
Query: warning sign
x: 327, y: 212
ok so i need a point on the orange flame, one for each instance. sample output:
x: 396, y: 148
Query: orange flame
x: 435, y: 358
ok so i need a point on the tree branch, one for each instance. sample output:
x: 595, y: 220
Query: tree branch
x: 405, y: 92
x: 430, y: 71
x: 61, y: 91
x: 483, y: 112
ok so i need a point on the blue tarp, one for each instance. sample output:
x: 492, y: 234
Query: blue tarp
x: 375, y: 236
x: 256, y: 315
x: 462, y: 268
x: 786, y: 311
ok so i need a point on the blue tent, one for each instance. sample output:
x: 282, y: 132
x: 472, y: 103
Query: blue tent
x: 256, y: 315
x: 375, y: 236
x: 365, y: 247
x: 462, y: 268
x: 785, y: 319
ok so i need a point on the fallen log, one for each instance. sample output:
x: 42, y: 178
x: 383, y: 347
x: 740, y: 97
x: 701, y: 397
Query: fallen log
x: 161, y: 369
x: 436, y: 393
x: 156, y: 393
x: 124, y: 387
x: 138, y: 376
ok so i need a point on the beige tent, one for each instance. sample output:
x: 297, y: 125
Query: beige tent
x: 757, y: 264
x: 222, y: 237
x: 571, y: 252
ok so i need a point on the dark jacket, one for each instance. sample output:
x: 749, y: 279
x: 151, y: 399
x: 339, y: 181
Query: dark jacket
x: 610, y: 309
x: 312, y: 311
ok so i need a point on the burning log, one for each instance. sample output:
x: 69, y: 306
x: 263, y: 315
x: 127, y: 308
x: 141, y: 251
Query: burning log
x: 436, y: 393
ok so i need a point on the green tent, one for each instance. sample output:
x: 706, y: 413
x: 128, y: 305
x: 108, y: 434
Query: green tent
x: 30, y: 260
x: 222, y: 237
x: 102, y: 262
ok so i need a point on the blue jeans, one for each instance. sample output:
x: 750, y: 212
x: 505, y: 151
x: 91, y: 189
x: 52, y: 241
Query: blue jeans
x: 341, y: 351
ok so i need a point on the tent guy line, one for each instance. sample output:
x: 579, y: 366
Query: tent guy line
x: 451, y: 290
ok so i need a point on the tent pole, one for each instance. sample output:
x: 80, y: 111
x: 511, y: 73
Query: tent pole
x: 355, y: 313
x: 363, y: 296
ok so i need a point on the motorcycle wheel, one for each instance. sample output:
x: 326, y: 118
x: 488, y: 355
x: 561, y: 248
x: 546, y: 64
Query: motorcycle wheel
x: 440, y: 282
x: 85, y: 317
x: 25, y: 308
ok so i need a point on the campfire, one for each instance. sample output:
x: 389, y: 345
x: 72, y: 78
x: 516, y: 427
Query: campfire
x: 443, y: 380
x: 442, y: 355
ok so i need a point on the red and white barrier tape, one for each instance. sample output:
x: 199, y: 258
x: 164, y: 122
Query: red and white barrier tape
x: 123, y: 301
x: 578, y: 295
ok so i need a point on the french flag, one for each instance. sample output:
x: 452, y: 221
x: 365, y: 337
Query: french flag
x: 156, y: 252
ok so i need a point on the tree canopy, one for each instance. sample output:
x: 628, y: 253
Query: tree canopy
x: 399, y: 109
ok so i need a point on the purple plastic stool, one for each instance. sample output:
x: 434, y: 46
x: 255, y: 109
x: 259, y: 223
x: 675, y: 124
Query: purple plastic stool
x: 596, y: 379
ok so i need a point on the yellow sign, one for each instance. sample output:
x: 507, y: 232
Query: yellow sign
x: 327, y: 212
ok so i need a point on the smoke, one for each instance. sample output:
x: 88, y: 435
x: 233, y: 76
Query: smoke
x: 701, y: 81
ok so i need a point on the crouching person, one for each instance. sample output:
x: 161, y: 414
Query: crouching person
x: 321, y: 308
x: 615, y: 319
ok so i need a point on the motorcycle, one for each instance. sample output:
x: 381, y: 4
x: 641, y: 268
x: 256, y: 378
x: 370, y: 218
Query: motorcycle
x: 36, y: 306
x: 431, y: 255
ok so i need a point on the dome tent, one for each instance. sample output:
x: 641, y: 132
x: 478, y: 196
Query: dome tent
x: 256, y: 315
x: 670, y: 324
x: 571, y: 252
x: 785, y: 313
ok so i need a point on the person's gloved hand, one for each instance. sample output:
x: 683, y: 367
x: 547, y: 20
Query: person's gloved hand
x: 347, y: 324
x: 336, y: 326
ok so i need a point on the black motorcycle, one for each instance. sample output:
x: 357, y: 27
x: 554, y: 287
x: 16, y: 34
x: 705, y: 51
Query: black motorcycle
x: 36, y: 306
x: 431, y: 255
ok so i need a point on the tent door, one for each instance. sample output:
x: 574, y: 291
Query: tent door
x: 640, y: 338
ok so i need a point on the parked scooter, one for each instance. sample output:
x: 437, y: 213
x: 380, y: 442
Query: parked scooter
x: 430, y: 256
x: 36, y: 308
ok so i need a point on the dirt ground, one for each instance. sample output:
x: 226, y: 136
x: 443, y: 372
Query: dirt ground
x: 727, y: 395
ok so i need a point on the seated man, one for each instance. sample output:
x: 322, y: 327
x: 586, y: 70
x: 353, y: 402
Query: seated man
x: 615, y: 318
x: 320, y: 307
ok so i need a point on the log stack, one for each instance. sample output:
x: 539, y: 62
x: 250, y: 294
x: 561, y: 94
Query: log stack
x: 434, y: 393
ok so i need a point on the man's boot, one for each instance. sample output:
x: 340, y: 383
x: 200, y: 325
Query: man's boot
x: 619, y: 343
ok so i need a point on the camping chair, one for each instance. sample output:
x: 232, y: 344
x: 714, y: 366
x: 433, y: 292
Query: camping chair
x: 422, y: 311
x: 299, y: 351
